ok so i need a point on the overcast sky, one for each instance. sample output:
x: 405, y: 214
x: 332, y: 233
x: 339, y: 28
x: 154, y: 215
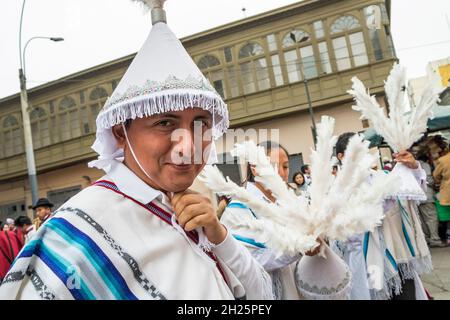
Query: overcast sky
x: 98, y: 31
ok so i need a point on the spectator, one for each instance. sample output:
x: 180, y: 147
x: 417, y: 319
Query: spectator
x: 24, y: 228
x: 306, y: 170
x: 334, y: 171
x: 442, y: 178
x: 300, y: 183
x: 43, y: 211
x: 10, y: 223
x: 427, y: 209
x: 5, y: 227
x: 10, y: 247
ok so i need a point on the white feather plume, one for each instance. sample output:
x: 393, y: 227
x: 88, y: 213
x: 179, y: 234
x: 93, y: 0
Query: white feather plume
x: 269, y: 178
x: 339, y: 207
x: 283, y: 235
x: 322, y: 164
x: 400, y: 129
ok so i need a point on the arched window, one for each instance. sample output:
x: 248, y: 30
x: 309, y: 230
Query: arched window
x: 211, y: 68
x: 12, y: 137
x: 37, y: 113
x: 39, y: 127
x: 344, y: 24
x: 208, y: 61
x: 299, y: 55
x: 10, y: 121
x: 66, y: 103
x: 69, y: 124
x: 98, y: 93
x: 250, y: 49
x: 253, y: 67
x: 348, y: 43
x: 294, y: 37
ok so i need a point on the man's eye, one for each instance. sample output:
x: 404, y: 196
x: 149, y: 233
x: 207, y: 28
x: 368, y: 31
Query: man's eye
x: 203, y: 123
x: 164, y: 123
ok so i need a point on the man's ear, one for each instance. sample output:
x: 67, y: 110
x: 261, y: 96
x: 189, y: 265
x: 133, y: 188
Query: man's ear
x: 118, y: 133
x: 340, y: 156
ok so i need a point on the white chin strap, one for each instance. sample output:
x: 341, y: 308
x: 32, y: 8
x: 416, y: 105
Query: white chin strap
x: 203, y: 244
x: 134, y: 155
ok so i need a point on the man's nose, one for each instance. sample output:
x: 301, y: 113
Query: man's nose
x: 185, y: 143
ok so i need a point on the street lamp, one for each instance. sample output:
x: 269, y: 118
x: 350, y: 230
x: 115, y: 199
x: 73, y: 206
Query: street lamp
x: 305, y: 82
x: 31, y: 165
x: 311, y: 112
x: 55, y: 39
x: 308, y: 96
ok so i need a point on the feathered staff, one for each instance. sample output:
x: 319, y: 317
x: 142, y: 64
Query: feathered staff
x: 348, y: 204
x: 337, y: 209
x: 278, y: 231
x: 400, y: 130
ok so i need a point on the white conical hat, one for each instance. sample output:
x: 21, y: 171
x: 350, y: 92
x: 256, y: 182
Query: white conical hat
x: 323, y: 278
x: 161, y: 78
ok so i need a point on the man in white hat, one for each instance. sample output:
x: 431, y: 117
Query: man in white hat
x: 138, y: 232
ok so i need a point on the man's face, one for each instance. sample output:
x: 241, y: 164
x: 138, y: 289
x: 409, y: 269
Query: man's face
x: 165, y: 147
x: 42, y: 212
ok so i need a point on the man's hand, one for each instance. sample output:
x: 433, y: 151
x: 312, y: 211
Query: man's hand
x: 406, y: 158
x: 194, y: 211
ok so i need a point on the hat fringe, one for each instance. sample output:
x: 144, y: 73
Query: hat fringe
x: 148, y: 105
x: 342, y: 294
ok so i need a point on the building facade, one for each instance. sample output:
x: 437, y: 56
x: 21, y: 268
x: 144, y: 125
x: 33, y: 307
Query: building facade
x: 257, y: 64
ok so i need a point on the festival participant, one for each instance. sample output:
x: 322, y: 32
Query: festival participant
x: 398, y: 250
x: 402, y: 248
x: 281, y: 269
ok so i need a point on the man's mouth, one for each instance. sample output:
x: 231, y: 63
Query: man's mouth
x: 182, y: 166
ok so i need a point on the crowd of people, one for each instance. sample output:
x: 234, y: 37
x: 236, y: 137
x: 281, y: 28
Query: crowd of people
x: 17, y: 233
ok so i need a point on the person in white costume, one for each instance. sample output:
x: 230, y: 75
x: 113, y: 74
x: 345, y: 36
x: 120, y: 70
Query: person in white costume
x: 397, y: 251
x: 139, y: 232
x: 281, y: 269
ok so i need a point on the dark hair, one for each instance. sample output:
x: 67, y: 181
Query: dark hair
x: 304, y: 167
x: 295, y: 176
x: 268, y: 146
x: 22, y: 221
x: 342, y: 142
x: 127, y: 123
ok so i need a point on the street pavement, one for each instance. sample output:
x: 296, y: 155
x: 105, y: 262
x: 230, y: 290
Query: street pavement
x: 438, y: 281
